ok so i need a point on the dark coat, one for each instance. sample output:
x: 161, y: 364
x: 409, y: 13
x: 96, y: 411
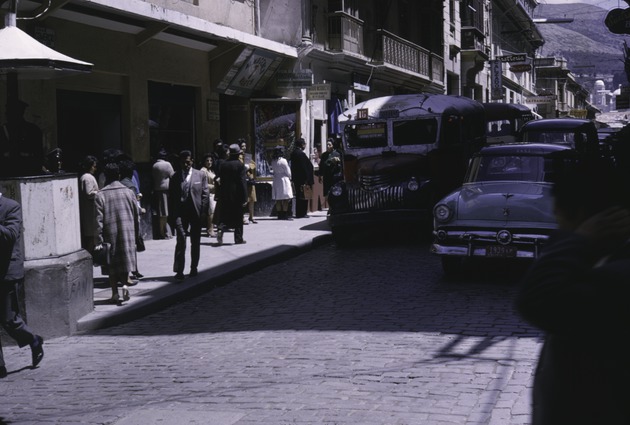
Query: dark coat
x: 11, y: 254
x: 582, y: 375
x: 232, y: 191
x: 301, y: 169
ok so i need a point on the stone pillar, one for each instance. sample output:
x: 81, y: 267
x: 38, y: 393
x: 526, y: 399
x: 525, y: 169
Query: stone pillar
x: 58, y: 284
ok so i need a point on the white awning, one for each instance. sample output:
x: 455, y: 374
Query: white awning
x: 29, y: 59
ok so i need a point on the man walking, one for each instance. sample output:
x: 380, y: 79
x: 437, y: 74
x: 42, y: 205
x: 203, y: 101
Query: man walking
x: 232, y: 195
x: 188, y: 205
x: 11, y: 276
x: 303, y: 178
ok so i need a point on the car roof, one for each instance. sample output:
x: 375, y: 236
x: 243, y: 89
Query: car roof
x: 536, y: 149
x: 557, y: 124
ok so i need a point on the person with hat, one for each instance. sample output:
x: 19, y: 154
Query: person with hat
x: 282, y: 190
x: 54, y: 162
x: 188, y: 206
x: 232, y: 194
x: 161, y: 172
x: 21, y: 143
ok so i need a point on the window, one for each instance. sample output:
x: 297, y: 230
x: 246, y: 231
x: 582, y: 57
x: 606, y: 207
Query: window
x: 416, y: 132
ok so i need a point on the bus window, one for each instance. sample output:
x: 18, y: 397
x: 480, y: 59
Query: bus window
x: 415, y: 132
x: 370, y: 135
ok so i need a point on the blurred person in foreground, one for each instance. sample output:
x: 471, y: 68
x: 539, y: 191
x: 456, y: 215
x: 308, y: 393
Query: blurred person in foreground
x: 11, y: 277
x: 577, y: 292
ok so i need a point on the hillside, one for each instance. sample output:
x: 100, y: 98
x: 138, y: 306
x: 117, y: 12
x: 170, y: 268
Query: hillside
x: 589, y: 47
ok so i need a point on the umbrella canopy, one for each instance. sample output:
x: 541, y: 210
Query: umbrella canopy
x: 29, y: 59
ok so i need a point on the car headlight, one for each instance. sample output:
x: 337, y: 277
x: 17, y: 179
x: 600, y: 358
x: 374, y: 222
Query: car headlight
x: 442, y: 213
x: 413, y: 185
x: 336, y: 190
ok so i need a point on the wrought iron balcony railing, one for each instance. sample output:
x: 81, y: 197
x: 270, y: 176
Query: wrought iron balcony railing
x: 393, y: 50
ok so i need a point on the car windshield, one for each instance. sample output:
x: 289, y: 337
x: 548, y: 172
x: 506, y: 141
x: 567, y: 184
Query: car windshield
x: 510, y: 168
x: 554, y: 137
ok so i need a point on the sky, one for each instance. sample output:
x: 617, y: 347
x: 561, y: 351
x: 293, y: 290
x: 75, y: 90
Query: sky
x: 604, y: 4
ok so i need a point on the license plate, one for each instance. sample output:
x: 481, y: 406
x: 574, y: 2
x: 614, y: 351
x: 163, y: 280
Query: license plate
x: 501, y: 251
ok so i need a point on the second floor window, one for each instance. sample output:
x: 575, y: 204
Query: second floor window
x: 351, y: 7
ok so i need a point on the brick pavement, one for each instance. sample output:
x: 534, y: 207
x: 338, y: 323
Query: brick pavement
x: 375, y: 337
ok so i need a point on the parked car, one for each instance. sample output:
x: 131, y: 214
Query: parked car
x: 504, y: 209
x: 576, y: 133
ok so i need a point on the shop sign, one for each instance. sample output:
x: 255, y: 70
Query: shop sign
x: 524, y: 67
x: 249, y: 72
x: 519, y: 57
x: 496, y: 76
x: 541, y: 99
x: 318, y: 92
x: 289, y: 79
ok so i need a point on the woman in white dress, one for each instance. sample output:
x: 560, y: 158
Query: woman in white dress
x: 282, y: 191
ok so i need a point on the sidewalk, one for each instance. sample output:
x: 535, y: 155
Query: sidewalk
x: 268, y: 242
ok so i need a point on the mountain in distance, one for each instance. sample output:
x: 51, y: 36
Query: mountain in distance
x: 591, y: 50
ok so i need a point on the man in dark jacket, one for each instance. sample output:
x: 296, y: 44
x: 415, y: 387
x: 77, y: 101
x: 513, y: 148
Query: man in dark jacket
x: 188, y: 205
x: 577, y: 291
x: 232, y: 195
x: 12, y: 275
x: 303, y: 178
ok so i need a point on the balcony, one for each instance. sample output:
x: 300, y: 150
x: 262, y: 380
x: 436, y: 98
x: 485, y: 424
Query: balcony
x: 393, y: 50
x: 345, y: 33
x: 473, y: 41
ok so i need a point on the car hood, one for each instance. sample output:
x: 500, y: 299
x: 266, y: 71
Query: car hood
x: 505, y: 201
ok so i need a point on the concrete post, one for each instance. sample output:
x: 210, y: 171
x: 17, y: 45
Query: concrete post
x: 58, y: 283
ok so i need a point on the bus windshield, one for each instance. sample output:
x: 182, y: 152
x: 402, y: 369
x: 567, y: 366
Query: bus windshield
x: 368, y: 135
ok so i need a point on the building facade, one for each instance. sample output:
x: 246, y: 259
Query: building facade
x: 178, y: 75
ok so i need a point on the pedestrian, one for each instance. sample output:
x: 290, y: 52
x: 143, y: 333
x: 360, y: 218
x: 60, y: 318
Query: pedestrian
x: 88, y: 188
x: 161, y: 172
x: 188, y: 205
x: 21, y: 143
x: 282, y: 190
x: 303, y: 178
x: 330, y: 166
x: 219, y: 155
x: 127, y: 170
x: 12, y: 276
x: 577, y: 292
x: 117, y: 220
x: 232, y: 195
x: 250, y: 167
x: 53, y: 162
x: 208, y: 168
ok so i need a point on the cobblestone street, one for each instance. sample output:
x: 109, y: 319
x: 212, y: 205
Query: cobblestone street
x: 374, y: 336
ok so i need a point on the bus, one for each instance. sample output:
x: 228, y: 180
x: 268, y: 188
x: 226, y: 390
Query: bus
x: 401, y: 154
x: 505, y: 120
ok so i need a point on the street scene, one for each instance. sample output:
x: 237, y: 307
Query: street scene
x: 371, y: 335
x: 314, y: 212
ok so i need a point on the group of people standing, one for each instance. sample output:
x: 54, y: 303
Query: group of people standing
x: 216, y: 196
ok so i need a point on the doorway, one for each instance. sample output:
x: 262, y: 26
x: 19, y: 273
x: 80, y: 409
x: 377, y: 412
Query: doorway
x: 87, y: 124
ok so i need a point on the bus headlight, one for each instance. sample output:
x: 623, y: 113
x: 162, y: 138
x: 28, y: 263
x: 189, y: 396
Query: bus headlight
x: 413, y: 185
x: 336, y: 190
x: 442, y: 213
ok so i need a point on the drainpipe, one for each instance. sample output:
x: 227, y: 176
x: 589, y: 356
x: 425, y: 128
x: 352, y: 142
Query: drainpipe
x: 11, y: 17
x: 257, y: 17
